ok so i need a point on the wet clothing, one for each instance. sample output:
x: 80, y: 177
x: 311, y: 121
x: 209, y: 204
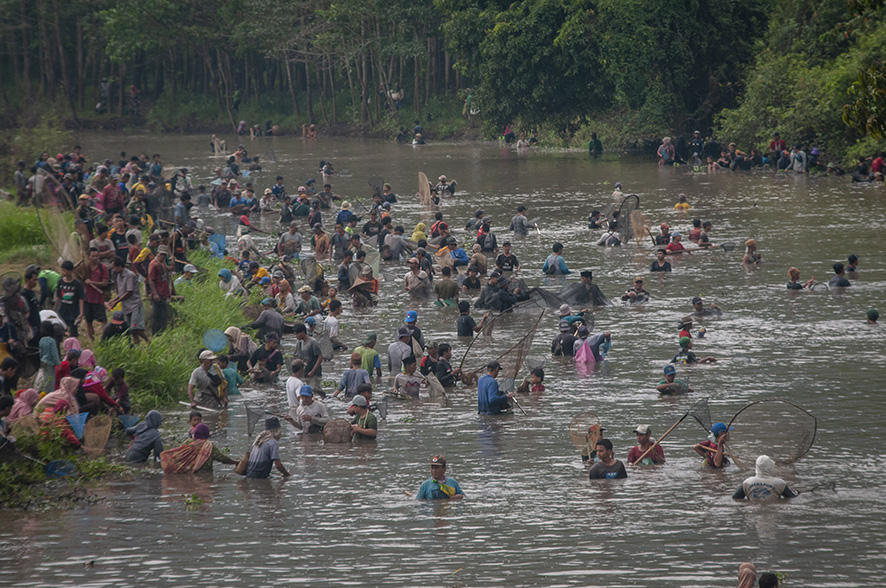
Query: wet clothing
x: 464, y: 326
x: 262, y: 458
x: 564, y: 344
x: 656, y: 456
x: 309, y: 351
x: 371, y: 359
x: 490, y: 399
x: 443, y: 371
x: 432, y: 489
x: 147, y: 439
x: 660, y: 267
x: 600, y: 471
x: 709, y: 457
x: 835, y: 282
x: 367, y: 421
x: 269, y: 321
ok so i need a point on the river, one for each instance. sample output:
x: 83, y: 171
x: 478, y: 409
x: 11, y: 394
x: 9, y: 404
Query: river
x: 531, y: 517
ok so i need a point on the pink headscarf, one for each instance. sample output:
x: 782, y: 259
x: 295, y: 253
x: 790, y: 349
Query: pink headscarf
x: 24, y: 403
x: 65, y: 392
x: 87, y: 359
x: 71, y: 343
x: 747, y: 575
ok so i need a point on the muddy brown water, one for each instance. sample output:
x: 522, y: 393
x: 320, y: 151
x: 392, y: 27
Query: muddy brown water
x: 531, y: 518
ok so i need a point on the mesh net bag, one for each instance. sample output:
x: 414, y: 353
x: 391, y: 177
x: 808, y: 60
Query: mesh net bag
x: 584, y: 431
x: 623, y: 223
x: 779, y: 429
x: 96, y: 432
x: 337, y: 431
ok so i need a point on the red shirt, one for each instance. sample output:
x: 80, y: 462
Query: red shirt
x: 777, y: 145
x: 656, y: 454
x: 709, y: 458
x: 158, y: 276
x: 694, y: 234
x: 100, y: 273
x: 878, y: 165
x: 675, y: 247
x: 684, y: 333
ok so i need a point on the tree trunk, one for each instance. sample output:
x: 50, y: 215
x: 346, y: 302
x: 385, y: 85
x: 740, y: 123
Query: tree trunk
x: 447, y: 65
x: 26, y: 50
x: 322, y: 93
x: 172, y: 75
x: 122, y: 92
x: 309, y: 105
x: 291, y: 89
x: 332, y: 91
x: 66, y: 79
x: 81, y: 68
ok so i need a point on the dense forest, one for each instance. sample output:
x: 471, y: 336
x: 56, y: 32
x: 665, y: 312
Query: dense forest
x: 631, y: 70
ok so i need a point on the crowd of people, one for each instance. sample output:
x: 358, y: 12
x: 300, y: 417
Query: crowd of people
x: 708, y: 154
x: 138, y: 221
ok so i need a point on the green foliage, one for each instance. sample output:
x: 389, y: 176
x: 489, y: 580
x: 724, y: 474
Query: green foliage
x: 867, y: 115
x: 158, y: 373
x: 39, y: 127
x: 186, y: 110
x: 24, y: 484
x: 804, y: 96
x: 19, y: 227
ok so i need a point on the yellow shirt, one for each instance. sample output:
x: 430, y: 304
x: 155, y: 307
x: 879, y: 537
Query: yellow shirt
x: 261, y: 273
x: 682, y: 206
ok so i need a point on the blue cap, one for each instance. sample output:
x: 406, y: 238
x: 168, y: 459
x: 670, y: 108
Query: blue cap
x: 310, y: 321
x: 265, y: 280
x: 268, y: 301
x: 411, y: 317
x: 669, y: 369
x: 718, y: 428
x: 305, y: 391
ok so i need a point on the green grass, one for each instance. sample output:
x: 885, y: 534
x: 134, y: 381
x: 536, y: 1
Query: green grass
x: 158, y: 373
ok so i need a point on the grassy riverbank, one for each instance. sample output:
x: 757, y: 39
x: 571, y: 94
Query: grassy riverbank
x: 157, y: 373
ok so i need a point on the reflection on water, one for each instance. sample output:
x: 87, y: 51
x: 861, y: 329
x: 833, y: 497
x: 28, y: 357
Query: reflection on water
x: 531, y: 517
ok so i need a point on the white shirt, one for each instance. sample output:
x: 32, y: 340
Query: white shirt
x: 293, y: 387
x: 332, y: 327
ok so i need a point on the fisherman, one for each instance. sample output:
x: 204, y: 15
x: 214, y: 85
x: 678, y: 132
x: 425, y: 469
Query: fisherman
x: 309, y: 305
x: 308, y: 350
x: 839, y: 279
x: 266, y: 361
x: 370, y: 360
x: 765, y: 484
x: 490, y: 399
x: 698, y: 308
x: 608, y: 468
x: 564, y: 343
x: 439, y: 486
x: 507, y: 261
x: 644, y: 442
x: 520, y: 224
x: 352, y: 377
x: 446, y: 289
x: 669, y: 386
x: 675, y: 247
x: 637, y: 294
x: 364, y: 426
x: 400, y: 349
x: 685, y: 356
x: 446, y: 374
x: 269, y: 321
x: 204, y: 382
x: 465, y: 326
x: 711, y: 449
x: 555, y: 264
x: 665, y: 237
x: 265, y: 452
x: 660, y: 264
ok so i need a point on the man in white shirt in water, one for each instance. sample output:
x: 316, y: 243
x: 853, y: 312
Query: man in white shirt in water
x: 764, y: 485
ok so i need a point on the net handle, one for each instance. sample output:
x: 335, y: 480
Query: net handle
x: 668, y: 432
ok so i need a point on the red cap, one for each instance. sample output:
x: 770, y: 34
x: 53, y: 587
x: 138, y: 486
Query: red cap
x: 244, y: 220
x: 665, y: 226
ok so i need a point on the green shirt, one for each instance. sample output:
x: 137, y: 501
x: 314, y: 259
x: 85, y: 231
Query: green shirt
x: 51, y: 278
x: 368, y: 421
x: 234, y: 380
x: 446, y: 289
x: 369, y: 356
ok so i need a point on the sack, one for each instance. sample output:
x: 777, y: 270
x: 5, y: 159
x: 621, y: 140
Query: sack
x: 240, y: 470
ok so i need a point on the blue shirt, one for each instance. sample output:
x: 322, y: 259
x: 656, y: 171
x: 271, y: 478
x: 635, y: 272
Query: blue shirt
x: 237, y: 201
x: 261, y: 459
x: 278, y: 191
x: 343, y: 217
x: 234, y: 380
x: 555, y: 264
x: 430, y: 489
x: 490, y: 400
x: 460, y: 256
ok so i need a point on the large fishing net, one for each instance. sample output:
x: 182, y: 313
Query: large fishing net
x: 623, y: 222
x: 253, y: 416
x: 337, y: 431
x: 701, y: 412
x: 583, y: 293
x: 96, y: 432
x: 585, y: 431
x: 512, y: 360
x: 424, y: 189
x: 65, y: 243
x: 377, y: 183
x: 312, y: 271
x: 640, y: 225
x: 776, y: 428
